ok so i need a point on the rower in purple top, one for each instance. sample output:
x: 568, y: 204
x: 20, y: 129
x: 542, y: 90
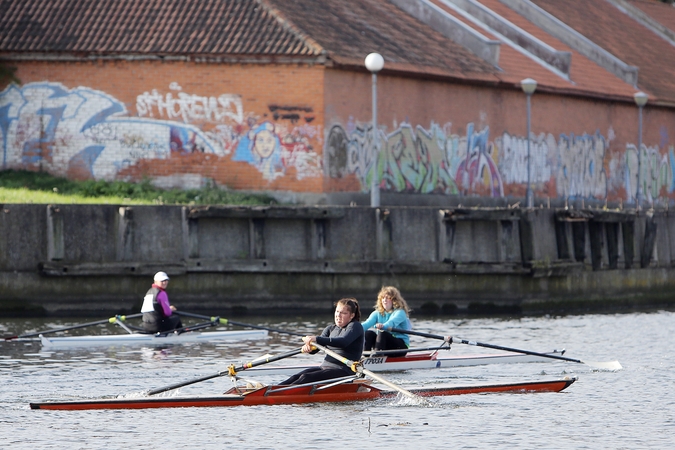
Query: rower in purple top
x: 157, y: 311
x: 391, y: 311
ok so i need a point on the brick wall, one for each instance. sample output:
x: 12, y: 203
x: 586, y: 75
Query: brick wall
x: 256, y: 127
x: 307, y: 129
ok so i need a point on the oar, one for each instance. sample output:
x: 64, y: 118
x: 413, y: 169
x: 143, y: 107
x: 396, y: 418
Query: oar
x: 230, y: 371
x: 608, y: 365
x: 82, y: 325
x: 231, y: 322
x: 199, y: 326
x: 358, y: 368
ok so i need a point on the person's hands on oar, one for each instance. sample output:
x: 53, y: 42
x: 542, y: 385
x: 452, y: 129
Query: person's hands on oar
x: 73, y: 327
x: 232, y: 370
x: 240, y: 324
x: 358, y: 368
x: 608, y: 365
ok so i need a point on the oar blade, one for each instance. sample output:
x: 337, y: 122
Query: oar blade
x: 416, y: 398
x: 604, y: 365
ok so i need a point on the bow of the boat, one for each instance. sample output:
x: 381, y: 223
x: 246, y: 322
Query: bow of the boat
x: 518, y: 387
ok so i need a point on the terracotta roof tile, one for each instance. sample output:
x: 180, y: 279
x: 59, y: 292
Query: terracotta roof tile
x: 662, y: 13
x: 625, y: 38
x: 585, y: 75
x: 163, y: 27
x: 350, y: 30
x: 345, y: 31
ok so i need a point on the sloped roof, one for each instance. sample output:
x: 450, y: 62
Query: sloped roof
x: 655, y: 9
x: 344, y: 30
x: 159, y: 27
x: 625, y: 38
x: 341, y: 33
x: 585, y: 76
x: 349, y: 30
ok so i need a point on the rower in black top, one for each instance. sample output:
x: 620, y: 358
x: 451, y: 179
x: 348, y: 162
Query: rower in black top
x: 345, y: 337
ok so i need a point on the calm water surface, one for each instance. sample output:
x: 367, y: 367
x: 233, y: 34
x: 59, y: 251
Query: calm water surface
x: 633, y: 408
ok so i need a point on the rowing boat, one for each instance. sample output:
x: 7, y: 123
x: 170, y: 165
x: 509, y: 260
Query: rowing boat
x: 412, y: 361
x: 150, y: 339
x: 351, y: 391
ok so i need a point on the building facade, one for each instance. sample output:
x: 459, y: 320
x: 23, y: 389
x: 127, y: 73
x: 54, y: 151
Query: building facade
x: 273, y: 96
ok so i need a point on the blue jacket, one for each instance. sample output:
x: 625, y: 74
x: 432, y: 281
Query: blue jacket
x: 394, y: 319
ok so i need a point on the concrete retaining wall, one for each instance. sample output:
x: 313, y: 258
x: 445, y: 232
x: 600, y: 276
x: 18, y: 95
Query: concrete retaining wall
x: 90, y: 259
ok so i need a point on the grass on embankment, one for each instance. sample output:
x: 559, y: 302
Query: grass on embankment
x: 39, y: 187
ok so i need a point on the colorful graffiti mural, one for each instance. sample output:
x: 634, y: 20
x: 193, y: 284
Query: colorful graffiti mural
x: 656, y: 174
x: 89, y: 134
x: 415, y: 160
x: 435, y: 160
x: 261, y: 147
x: 86, y: 133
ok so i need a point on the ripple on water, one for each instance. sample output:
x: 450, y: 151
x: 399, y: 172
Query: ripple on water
x: 631, y: 408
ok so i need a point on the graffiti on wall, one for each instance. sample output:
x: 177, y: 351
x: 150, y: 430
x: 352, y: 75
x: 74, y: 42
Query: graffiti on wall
x: 86, y: 133
x: 574, y: 163
x: 89, y: 134
x: 415, y: 160
x: 189, y: 107
x: 655, y: 169
x: 435, y: 160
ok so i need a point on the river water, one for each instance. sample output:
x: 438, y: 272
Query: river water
x: 633, y: 408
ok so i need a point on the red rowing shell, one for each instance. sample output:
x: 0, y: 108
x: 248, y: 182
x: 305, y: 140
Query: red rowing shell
x: 282, y: 395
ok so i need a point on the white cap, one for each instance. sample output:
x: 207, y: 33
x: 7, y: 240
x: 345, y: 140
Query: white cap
x: 161, y: 276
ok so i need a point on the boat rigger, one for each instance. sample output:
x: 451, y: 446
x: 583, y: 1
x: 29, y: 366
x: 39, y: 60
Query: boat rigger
x: 415, y: 360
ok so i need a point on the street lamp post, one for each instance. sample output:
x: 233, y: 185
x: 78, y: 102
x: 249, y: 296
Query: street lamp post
x: 529, y: 86
x: 374, y: 63
x: 640, y: 100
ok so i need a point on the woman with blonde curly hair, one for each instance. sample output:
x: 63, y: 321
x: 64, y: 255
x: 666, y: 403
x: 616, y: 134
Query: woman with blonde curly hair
x: 391, y: 311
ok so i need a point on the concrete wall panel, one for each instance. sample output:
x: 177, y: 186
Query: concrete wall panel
x: 23, y: 236
x: 224, y: 238
x: 308, y: 258
x: 353, y: 237
x: 414, y: 234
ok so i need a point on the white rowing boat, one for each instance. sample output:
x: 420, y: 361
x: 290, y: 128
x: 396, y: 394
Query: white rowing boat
x: 425, y: 360
x: 150, y: 339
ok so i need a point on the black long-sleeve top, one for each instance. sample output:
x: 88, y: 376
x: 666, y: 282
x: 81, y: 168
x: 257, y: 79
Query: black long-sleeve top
x: 347, y: 342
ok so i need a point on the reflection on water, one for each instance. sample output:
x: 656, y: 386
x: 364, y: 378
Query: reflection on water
x: 602, y: 410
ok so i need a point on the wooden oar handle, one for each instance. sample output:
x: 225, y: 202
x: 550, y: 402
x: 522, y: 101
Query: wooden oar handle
x: 357, y: 367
